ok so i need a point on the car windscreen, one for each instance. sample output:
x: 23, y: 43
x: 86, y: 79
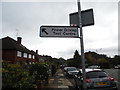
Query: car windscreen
x: 96, y: 74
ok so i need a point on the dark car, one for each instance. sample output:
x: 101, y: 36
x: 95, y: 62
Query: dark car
x: 96, y: 79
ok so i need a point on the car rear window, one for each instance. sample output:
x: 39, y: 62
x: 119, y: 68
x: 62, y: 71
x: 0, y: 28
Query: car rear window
x: 96, y: 74
x: 71, y: 69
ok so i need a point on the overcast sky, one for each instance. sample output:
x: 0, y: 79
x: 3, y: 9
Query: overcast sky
x: 25, y: 18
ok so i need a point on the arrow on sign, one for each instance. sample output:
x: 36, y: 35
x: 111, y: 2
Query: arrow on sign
x: 43, y: 30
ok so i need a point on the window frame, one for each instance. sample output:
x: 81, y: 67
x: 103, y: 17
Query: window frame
x: 33, y: 56
x: 25, y: 55
x: 19, y: 54
x: 29, y: 56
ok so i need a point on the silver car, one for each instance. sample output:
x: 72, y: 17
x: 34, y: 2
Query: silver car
x: 94, y: 67
x: 71, y: 71
x: 96, y: 79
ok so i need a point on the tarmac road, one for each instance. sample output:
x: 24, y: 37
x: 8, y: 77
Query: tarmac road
x: 115, y: 73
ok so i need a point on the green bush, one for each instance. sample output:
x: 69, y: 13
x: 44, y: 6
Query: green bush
x: 39, y: 71
x: 53, y: 69
x: 14, y: 76
x: 23, y: 76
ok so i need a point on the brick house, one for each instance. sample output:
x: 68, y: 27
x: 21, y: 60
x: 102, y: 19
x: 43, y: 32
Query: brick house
x: 14, y: 51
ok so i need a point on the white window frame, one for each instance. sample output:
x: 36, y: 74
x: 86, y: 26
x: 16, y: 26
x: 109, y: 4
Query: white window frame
x: 33, y: 56
x: 19, y: 54
x: 30, y: 56
x: 25, y: 55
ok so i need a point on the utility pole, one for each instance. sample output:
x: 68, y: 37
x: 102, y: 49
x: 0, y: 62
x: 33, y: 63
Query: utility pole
x: 82, y: 46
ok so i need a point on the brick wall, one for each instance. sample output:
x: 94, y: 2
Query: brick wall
x: 9, y: 55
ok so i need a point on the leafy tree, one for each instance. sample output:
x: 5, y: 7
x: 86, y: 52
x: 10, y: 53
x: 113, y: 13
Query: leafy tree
x: 90, y: 59
x: 70, y: 62
x: 56, y: 61
x: 104, y: 63
x: 116, y: 60
x: 75, y: 61
x: 76, y: 55
x: 62, y: 61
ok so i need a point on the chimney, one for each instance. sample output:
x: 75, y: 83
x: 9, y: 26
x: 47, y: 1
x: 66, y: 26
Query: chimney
x: 36, y: 51
x: 19, y: 39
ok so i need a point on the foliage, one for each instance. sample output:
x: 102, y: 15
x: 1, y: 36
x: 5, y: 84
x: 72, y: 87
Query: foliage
x: 90, y: 59
x: 70, y: 62
x: 23, y: 76
x: 13, y: 76
x: 103, y: 63
x: 53, y: 68
x: 115, y: 60
x: 40, y: 71
x: 75, y: 61
x: 76, y: 55
x: 94, y: 58
x: 56, y: 61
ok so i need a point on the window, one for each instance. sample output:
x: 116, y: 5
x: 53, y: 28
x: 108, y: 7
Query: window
x: 25, y: 55
x: 96, y: 74
x: 71, y: 69
x: 33, y: 62
x: 19, y: 54
x: 30, y: 56
x: 33, y: 57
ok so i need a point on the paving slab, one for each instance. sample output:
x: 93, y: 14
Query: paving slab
x: 59, y: 81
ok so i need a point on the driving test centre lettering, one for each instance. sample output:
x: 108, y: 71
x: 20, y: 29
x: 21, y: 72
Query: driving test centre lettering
x: 59, y: 31
x: 64, y: 31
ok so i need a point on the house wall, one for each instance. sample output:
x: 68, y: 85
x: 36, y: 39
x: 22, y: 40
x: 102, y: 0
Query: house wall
x: 9, y: 55
x: 25, y: 59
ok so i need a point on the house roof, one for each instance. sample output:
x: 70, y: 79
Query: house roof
x: 11, y: 44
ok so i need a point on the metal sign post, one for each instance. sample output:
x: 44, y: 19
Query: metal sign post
x: 82, y: 46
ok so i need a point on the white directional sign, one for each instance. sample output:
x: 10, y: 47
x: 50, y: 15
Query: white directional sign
x: 59, y: 31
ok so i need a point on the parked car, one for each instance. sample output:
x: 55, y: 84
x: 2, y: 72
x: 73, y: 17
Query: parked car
x: 71, y: 71
x: 96, y: 79
x: 65, y: 68
x: 94, y: 67
x: 117, y: 67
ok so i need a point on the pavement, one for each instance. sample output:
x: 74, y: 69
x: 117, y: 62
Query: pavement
x: 59, y: 81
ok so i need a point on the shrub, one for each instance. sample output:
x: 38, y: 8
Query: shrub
x: 13, y: 76
x: 23, y: 76
x: 40, y: 71
x: 53, y: 69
